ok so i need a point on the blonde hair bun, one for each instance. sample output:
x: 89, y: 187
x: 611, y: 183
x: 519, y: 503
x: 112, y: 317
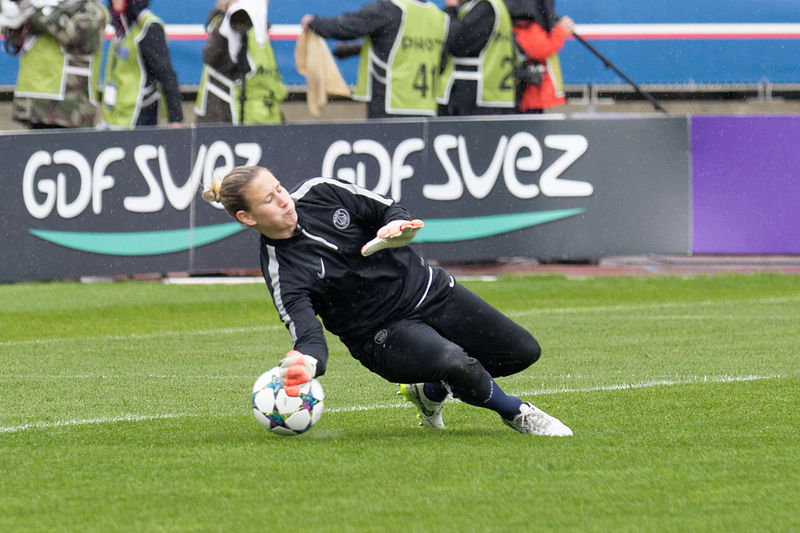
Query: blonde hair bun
x: 211, y: 193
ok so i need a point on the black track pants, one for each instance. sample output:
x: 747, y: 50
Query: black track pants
x: 460, y: 340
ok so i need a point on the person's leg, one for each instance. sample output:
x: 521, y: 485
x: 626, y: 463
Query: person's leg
x: 501, y: 345
x: 412, y: 352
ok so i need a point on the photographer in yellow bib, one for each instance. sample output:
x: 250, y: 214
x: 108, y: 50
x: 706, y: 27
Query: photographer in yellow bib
x: 240, y: 83
x: 138, y: 69
x: 401, y: 56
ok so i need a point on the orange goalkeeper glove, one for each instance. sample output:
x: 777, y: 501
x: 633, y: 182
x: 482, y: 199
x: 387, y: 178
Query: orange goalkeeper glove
x: 296, y: 369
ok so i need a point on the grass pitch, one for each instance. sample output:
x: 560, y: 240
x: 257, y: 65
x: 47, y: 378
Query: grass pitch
x: 125, y: 407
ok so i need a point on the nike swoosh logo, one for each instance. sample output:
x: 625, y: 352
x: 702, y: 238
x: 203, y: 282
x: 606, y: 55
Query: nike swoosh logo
x: 170, y: 241
x: 321, y: 274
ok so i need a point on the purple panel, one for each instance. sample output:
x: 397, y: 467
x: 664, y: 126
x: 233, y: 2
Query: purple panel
x: 746, y: 184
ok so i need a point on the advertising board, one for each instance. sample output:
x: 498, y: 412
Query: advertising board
x: 105, y: 203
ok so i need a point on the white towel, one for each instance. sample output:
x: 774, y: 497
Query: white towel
x: 257, y: 11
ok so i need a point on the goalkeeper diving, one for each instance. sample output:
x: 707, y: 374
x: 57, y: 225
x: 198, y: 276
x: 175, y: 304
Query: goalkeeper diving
x: 333, y: 250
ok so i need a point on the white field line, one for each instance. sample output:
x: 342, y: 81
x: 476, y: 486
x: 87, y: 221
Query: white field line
x: 395, y: 405
x: 527, y: 312
x: 232, y: 280
x: 650, y: 384
x: 67, y: 377
x: 88, y: 421
x: 653, y: 306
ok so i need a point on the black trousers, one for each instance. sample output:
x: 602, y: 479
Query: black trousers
x: 458, y: 339
x: 148, y: 115
x: 463, y: 98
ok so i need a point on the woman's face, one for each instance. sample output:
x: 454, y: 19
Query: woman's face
x: 119, y: 6
x: 271, y: 209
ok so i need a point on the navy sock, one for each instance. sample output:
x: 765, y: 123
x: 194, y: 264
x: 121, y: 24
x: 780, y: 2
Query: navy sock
x: 435, y: 392
x: 500, y: 402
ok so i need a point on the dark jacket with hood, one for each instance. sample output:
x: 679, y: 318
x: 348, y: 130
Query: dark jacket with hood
x: 158, y: 66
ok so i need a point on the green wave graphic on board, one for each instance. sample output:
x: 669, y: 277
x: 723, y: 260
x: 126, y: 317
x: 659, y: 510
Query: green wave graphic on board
x: 178, y: 240
x: 464, y: 229
x: 140, y: 242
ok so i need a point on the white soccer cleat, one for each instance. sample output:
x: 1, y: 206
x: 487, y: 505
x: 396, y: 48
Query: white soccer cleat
x: 429, y: 412
x: 533, y: 420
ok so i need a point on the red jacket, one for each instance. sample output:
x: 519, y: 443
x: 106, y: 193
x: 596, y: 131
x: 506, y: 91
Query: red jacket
x: 539, y: 45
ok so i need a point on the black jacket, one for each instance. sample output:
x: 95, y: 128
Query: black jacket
x: 157, y: 63
x: 158, y: 67
x: 469, y: 35
x: 320, y: 269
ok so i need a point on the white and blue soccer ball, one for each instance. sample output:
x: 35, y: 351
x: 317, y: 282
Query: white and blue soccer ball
x: 284, y: 414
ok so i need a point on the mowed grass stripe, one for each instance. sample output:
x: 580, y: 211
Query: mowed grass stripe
x: 682, y: 422
x: 395, y: 405
x: 622, y: 308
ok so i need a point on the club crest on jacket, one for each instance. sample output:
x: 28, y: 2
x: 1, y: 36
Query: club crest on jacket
x: 341, y: 219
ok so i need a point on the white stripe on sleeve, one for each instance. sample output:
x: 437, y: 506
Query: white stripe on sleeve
x: 275, y: 281
x: 351, y: 187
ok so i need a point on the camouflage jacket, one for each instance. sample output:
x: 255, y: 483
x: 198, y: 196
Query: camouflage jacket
x: 78, y: 26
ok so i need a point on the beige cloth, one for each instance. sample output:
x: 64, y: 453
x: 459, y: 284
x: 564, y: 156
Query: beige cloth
x: 313, y: 59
